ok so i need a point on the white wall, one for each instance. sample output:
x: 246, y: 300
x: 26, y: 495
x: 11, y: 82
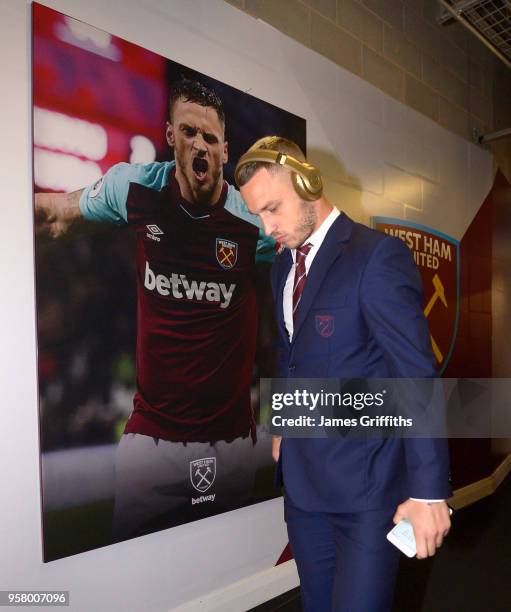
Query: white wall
x: 378, y: 157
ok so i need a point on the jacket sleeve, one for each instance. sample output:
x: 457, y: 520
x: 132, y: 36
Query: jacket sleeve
x: 391, y: 299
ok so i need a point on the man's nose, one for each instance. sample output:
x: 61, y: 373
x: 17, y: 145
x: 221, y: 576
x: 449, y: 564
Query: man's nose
x: 199, y: 143
x: 269, y: 227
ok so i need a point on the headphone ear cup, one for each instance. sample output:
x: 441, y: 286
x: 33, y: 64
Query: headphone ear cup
x: 299, y: 185
x: 306, y: 192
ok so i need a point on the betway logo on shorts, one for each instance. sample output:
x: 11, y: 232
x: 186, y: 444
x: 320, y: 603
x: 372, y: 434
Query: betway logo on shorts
x: 203, y: 498
x: 181, y: 288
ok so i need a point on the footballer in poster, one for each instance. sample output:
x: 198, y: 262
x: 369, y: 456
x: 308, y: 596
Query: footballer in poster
x: 154, y: 314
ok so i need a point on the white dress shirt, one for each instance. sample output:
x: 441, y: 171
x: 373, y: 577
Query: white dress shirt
x: 316, y: 240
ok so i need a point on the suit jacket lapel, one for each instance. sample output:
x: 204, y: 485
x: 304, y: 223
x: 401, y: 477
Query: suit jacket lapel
x: 329, y: 251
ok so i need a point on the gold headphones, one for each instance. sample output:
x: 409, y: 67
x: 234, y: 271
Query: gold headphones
x: 306, y: 178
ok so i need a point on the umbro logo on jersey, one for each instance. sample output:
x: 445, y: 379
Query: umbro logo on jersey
x: 180, y: 288
x: 155, y: 231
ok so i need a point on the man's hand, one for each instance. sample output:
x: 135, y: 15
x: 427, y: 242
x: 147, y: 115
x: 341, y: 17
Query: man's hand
x: 275, y: 447
x: 55, y: 213
x: 430, y: 522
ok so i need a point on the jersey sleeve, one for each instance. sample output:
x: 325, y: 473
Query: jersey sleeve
x: 235, y: 204
x: 105, y: 200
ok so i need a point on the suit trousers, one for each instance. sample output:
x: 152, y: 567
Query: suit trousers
x: 345, y: 563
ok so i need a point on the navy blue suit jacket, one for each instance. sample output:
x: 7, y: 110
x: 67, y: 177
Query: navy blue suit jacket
x: 368, y: 282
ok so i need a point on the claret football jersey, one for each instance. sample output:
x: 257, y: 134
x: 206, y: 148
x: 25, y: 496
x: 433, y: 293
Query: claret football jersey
x: 196, y: 309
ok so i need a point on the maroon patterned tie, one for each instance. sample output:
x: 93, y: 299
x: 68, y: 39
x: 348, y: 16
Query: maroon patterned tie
x: 300, y: 276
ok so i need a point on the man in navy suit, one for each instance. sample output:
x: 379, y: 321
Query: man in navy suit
x: 341, y: 495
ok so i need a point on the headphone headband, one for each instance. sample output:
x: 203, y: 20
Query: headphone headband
x: 306, y: 177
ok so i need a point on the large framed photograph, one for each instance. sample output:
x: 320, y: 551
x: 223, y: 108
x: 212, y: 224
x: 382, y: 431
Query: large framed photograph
x: 154, y: 313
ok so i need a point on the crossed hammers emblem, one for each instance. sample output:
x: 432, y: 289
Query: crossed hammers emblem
x: 439, y: 294
x: 203, y: 477
x: 226, y: 256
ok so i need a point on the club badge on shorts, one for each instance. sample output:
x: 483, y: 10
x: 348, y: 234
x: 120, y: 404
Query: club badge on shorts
x: 202, y: 473
x: 226, y: 253
x: 325, y: 325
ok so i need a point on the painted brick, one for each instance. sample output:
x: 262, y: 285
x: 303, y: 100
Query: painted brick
x: 458, y: 34
x: 400, y: 51
x: 345, y: 197
x: 480, y: 53
x: 480, y: 107
x: 429, y: 10
x: 336, y: 44
x: 289, y: 16
x: 403, y: 187
x: 420, y: 32
x: 421, y: 97
x: 501, y: 97
x: 482, y: 79
x: 453, y: 31
x: 416, y: 5
x: 362, y: 23
x: 382, y: 73
x: 434, y: 75
x: 328, y: 8
x: 391, y: 11
x: 453, y: 118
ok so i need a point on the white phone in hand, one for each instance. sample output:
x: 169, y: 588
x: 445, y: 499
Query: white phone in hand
x: 401, y: 535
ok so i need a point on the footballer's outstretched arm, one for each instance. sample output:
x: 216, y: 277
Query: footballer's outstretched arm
x: 57, y: 213
x: 60, y: 214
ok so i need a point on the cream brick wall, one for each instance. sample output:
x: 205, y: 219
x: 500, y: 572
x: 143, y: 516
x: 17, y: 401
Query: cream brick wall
x: 443, y: 72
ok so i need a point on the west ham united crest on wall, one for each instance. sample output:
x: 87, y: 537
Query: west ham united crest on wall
x: 437, y: 257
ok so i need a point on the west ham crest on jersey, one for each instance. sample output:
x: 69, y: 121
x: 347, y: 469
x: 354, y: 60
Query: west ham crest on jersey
x: 226, y: 253
x: 202, y: 473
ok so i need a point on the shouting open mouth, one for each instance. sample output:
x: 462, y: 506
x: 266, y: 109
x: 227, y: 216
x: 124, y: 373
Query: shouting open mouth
x: 200, y: 168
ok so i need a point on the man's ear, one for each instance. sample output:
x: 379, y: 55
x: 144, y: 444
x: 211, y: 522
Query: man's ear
x: 226, y: 152
x: 169, y: 134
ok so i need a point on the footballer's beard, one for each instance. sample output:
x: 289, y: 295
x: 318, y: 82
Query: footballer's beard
x: 201, y: 178
x: 306, y: 224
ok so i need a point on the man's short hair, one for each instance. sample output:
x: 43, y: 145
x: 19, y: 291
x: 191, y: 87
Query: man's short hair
x: 193, y: 91
x: 270, y: 143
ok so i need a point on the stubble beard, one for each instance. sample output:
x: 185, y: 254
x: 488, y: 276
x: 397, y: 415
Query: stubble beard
x: 307, y: 221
